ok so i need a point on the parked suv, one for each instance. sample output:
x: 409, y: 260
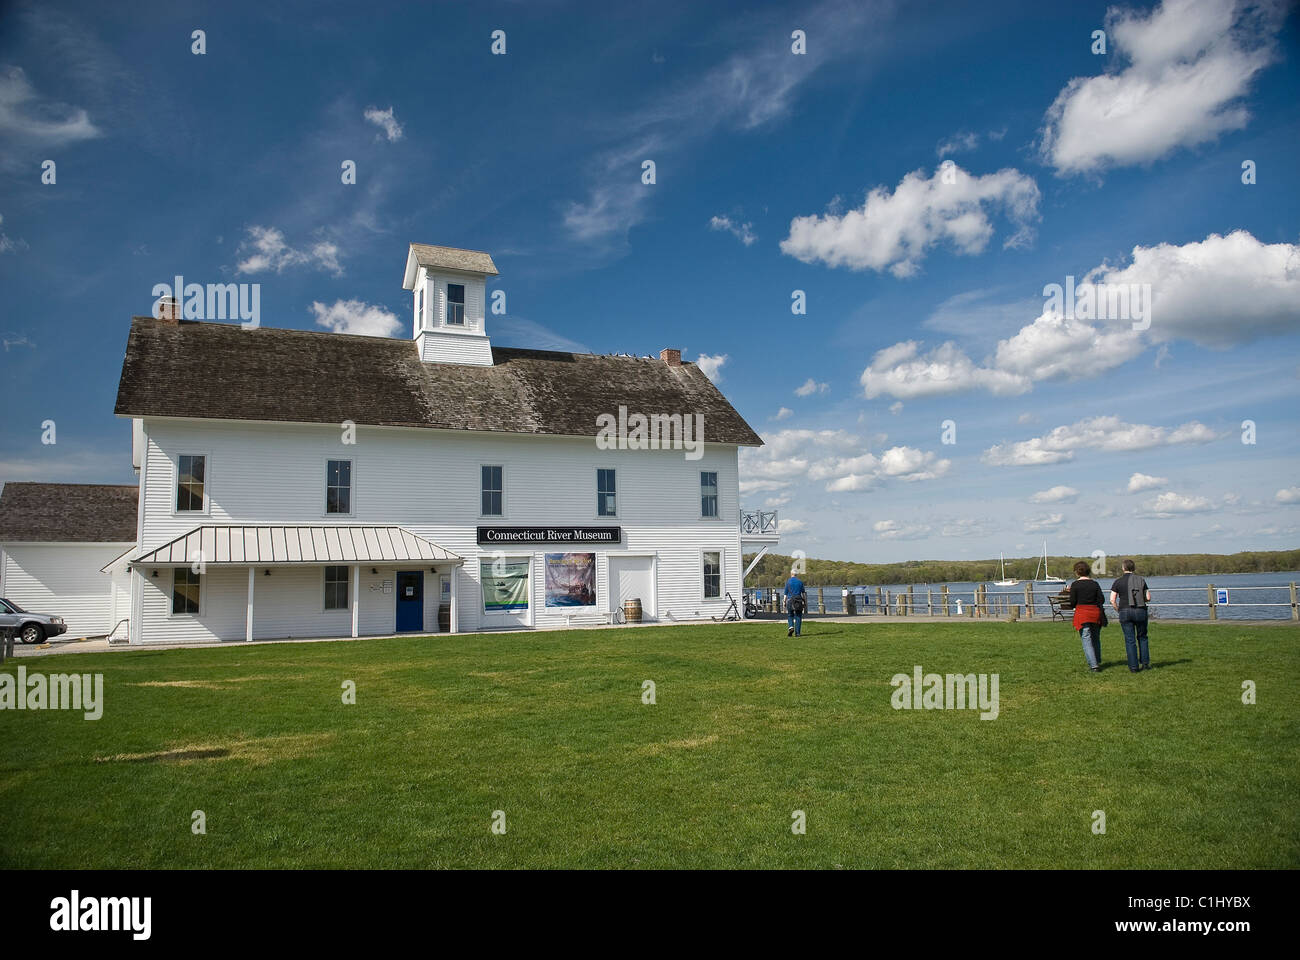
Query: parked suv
x: 32, y: 627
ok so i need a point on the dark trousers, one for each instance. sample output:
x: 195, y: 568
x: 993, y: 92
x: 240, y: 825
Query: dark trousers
x: 1133, y: 621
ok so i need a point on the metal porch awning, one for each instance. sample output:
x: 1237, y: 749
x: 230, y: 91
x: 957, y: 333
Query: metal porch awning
x: 277, y: 545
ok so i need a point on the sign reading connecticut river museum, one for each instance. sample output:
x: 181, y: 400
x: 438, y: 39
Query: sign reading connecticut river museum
x: 550, y: 534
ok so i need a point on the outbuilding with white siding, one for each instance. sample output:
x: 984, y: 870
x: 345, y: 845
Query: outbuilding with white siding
x: 56, y: 539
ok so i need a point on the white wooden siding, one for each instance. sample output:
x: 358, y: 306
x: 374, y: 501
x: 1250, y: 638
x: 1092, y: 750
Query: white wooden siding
x: 428, y: 482
x: 64, y: 580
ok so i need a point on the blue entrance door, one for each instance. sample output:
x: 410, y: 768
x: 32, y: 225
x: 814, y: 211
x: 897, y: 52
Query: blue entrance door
x: 410, y: 600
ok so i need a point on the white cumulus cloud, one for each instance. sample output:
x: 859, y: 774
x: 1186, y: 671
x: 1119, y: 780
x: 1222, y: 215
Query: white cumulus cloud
x: 1187, y: 66
x: 1197, y: 287
x: 1288, y: 495
x: 1144, y: 481
x: 811, y: 386
x: 711, y: 365
x: 355, y: 317
x: 1059, y: 494
x: 894, y: 231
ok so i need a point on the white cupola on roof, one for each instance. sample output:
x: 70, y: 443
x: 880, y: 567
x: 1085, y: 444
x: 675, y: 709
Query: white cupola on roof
x: 449, y: 289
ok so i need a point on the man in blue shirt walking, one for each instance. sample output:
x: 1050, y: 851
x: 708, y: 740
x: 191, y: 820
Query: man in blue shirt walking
x: 796, y: 602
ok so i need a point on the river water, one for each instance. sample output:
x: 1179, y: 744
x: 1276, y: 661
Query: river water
x: 1172, y: 598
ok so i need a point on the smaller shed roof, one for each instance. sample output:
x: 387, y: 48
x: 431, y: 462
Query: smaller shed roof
x: 68, y: 512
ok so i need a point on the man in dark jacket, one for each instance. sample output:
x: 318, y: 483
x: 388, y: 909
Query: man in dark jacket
x: 1130, y: 595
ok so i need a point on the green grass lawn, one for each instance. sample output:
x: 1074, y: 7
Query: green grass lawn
x: 749, y: 726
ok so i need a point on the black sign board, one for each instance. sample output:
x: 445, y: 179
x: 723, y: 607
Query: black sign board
x: 544, y: 535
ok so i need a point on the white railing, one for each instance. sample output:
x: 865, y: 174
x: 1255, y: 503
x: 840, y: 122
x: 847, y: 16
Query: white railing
x: 1033, y: 600
x: 758, y: 522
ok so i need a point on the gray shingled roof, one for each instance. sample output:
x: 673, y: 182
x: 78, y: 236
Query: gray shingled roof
x: 68, y: 513
x: 221, y: 371
x: 453, y: 258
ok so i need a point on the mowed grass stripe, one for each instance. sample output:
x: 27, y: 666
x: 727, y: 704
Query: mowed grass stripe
x: 749, y: 726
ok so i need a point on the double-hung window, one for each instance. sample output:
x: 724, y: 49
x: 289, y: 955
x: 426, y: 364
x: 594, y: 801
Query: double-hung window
x: 606, y: 505
x: 338, y: 486
x: 185, y: 590
x: 419, y: 299
x: 493, y: 490
x: 708, y: 493
x: 456, y: 304
x: 336, y: 588
x: 191, y: 472
x: 712, y: 574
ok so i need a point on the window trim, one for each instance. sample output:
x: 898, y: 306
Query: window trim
x: 347, y: 581
x: 722, y: 574
x: 717, y: 496
x: 607, y: 516
x: 207, y: 484
x: 505, y: 507
x: 352, y: 496
x: 171, y: 594
x: 419, y: 305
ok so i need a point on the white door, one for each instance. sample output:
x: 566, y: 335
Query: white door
x: 632, y: 578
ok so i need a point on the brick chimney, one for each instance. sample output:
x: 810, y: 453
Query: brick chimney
x: 671, y: 357
x: 169, y: 309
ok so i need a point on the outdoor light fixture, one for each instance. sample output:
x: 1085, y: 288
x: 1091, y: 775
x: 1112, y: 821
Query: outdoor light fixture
x: 266, y: 573
x: 154, y: 574
x: 374, y: 571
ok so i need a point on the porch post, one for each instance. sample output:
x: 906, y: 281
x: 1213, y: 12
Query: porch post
x: 453, y: 624
x: 248, y: 623
x: 356, y: 598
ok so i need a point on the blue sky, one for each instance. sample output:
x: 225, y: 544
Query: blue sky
x: 775, y: 172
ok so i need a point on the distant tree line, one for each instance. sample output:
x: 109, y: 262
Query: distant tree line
x: 774, y: 569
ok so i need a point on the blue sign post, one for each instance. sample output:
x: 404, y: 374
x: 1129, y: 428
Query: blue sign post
x: 1222, y: 599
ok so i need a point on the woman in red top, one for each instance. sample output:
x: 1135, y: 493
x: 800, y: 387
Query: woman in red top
x: 1086, y: 598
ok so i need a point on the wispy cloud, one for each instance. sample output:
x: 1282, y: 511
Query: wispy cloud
x: 264, y: 250
x: 29, y: 121
x: 1096, y: 433
x: 744, y: 232
x: 386, y: 122
x: 512, y: 330
x: 752, y: 88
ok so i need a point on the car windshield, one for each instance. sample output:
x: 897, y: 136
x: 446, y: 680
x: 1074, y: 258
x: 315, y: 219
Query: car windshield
x: 13, y: 607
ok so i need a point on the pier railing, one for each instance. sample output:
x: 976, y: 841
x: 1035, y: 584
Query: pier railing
x: 1029, y: 602
x: 758, y: 522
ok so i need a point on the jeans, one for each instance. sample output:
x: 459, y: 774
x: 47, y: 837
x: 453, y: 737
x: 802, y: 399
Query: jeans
x: 1090, y: 634
x: 1133, y: 621
x: 796, y: 622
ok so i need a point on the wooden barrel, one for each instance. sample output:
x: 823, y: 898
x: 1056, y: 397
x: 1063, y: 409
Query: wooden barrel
x: 632, y: 610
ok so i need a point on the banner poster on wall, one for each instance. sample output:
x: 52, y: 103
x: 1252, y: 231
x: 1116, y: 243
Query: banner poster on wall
x: 570, y: 579
x: 505, y: 585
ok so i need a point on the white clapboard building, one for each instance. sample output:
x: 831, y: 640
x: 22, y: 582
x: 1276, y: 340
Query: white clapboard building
x: 311, y: 484
x: 57, y: 541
